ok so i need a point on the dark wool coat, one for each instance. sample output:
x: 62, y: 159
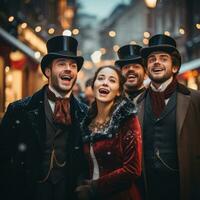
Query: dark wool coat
x: 188, y: 140
x: 23, y: 133
x: 118, y: 154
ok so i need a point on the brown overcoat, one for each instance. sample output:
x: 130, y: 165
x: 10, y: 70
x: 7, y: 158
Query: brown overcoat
x: 188, y: 140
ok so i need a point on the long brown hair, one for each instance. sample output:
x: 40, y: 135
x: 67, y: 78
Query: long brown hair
x: 93, y: 108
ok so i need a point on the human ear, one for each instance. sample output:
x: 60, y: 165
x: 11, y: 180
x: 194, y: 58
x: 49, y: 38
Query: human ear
x: 175, y: 69
x: 47, y: 72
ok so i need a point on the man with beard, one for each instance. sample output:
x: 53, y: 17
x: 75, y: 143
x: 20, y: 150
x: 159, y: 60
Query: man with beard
x: 40, y: 147
x: 170, y: 114
x: 132, y: 66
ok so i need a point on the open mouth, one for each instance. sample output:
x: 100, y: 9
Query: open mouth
x: 131, y: 77
x: 104, y: 91
x: 66, y: 77
x: 157, y: 70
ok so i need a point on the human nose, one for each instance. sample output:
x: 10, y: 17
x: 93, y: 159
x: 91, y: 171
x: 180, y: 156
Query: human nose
x: 105, y: 82
x: 131, y: 68
x: 67, y: 66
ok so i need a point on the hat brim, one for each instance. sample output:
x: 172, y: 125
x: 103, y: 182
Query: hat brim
x: 51, y: 56
x: 146, y: 51
x: 122, y: 62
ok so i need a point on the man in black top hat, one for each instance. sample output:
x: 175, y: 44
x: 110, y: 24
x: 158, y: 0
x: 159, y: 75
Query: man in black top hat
x: 170, y: 114
x: 40, y: 149
x: 132, y: 66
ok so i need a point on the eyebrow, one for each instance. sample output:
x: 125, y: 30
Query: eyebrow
x: 161, y: 55
x: 109, y: 76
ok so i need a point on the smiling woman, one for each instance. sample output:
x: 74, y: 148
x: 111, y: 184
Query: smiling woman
x: 112, y: 141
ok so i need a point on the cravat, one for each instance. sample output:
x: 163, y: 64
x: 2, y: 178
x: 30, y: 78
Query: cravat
x: 158, y: 98
x: 61, y: 113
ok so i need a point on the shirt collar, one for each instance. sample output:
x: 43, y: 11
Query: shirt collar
x: 162, y: 87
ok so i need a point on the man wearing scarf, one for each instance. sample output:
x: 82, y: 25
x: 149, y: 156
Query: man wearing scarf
x: 170, y: 116
x: 132, y: 66
x: 40, y: 149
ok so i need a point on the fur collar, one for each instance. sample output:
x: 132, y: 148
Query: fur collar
x: 123, y: 111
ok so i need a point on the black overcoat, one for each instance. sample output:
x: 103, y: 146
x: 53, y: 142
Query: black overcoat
x: 22, y: 142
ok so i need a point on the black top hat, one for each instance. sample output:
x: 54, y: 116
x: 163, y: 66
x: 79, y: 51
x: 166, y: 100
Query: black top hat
x: 61, y: 47
x: 161, y: 42
x: 129, y: 54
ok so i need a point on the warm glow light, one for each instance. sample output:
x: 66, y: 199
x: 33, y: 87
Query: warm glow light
x: 37, y: 54
x: 75, y: 31
x: 147, y: 34
x: 115, y: 48
x: 67, y: 32
x: 38, y: 29
x: 133, y: 42
x: 24, y: 25
x: 96, y: 56
x: 167, y: 33
x: 51, y: 31
x: 7, y: 69
x: 181, y: 31
x: 16, y: 55
x: 198, y: 26
x: 145, y: 41
x: 34, y: 40
x: 11, y: 18
x: 151, y: 3
x: 112, y: 33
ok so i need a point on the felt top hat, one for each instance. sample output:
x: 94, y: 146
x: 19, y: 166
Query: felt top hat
x: 129, y: 54
x: 163, y: 43
x: 61, y: 47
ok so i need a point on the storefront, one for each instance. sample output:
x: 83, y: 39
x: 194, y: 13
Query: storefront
x: 20, y: 74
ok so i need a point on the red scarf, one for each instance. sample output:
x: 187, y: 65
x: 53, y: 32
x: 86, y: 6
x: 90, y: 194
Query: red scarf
x: 61, y: 113
x: 158, y: 98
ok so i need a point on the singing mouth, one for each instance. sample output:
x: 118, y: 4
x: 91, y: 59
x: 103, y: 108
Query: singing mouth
x: 157, y: 70
x: 66, y: 77
x: 104, y: 91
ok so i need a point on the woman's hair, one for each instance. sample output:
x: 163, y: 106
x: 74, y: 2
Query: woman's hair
x: 93, y: 109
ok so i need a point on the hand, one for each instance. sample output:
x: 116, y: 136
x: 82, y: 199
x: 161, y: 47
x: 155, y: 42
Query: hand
x: 83, y: 192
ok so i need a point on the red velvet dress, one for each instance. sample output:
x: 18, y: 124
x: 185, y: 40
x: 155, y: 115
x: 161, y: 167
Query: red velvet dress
x: 118, y: 151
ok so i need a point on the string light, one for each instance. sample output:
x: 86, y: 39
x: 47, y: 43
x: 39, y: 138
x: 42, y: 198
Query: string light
x: 146, y: 34
x: 115, y: 48
x: 75, y: 31
x: 51, y: 31
x: 181, y: 31
x: 67, y: 32
x: 38, y: 29
x: 167, y: 33
x: 24, y: 25
x: 112, y: 33
x: 11, y: 18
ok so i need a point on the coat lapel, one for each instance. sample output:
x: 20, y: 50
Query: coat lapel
x: 36, y: 115
x: 182, y: 108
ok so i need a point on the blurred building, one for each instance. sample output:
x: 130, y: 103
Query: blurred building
x: 137, y: 22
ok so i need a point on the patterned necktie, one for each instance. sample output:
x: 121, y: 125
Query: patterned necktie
x: 61, y: 113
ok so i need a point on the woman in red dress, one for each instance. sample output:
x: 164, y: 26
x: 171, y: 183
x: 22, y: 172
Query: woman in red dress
x: 112, y: 141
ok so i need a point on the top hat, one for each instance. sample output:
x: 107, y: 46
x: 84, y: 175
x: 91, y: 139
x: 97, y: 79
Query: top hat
x: 61, y: 47
x: 163, y: 43
x: 129, y: 54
